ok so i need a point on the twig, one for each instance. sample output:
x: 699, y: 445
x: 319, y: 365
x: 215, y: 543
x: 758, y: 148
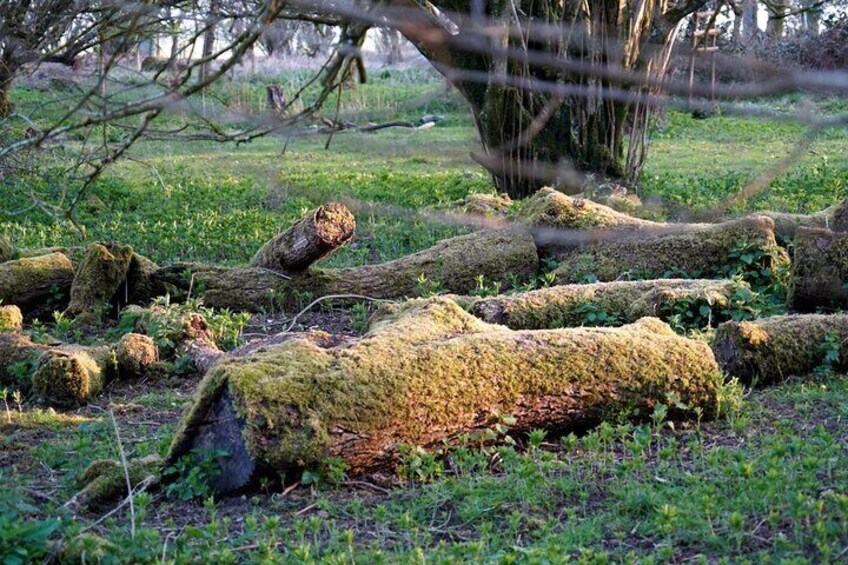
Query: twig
x: 307, y: 509
x: 126, y: 473
x: 330, y: 297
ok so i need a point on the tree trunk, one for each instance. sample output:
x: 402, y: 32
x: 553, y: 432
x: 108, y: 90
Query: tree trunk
x: 621, y: 302
x: 425, y: 375
x: 545, y: 104
x: 452, y: 265
x: 819, y: 271
x: 5, y: 87
x: 750, y: 27
x: 311, y: 238
x: 777, y: 19
x: 771, y: 350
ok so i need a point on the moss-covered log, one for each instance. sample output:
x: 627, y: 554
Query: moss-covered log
x: 769, y: 350
x: 427, y: 374
x: 550, y: 211
x: 819, y: 272
x: 68, y: 376
x: 452, y: 265
x: 703, y: 252
x: 568, y: 305
x: 17, y: 353
x: 314, y: 236
x: 30, y: 282
x: 97, y: 279
x: 11, y: 319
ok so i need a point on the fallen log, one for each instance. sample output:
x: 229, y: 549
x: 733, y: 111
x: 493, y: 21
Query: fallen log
x: 97, y: 279
x: 11, y: 319
x: 31, y: 282
x: 550, y: 211
x: 567, y: 305
x: 770, y: 350
x: 453, y: 265
x: 17, y: 350
x: 702, y: 252
x: 819, y: 271
x: 68, y: 376
x: 427, y: 374
x: 311, y: 238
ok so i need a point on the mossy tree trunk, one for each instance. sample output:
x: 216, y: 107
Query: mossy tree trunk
x: 542, y: 99
x: 429, y: 373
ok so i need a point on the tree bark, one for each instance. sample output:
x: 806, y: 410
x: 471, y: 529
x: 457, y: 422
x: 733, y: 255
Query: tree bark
x: 452, y: 265
x: 770, y: 350
x: 425, y: 375
x: 31, y: 282
x: 819, y: 272
x: 311, y: 238
x: 565, y: 305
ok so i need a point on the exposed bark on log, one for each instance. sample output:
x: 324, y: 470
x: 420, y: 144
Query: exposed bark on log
x: 97, y: 280
x: 311, y: 238
x: 819, y: 271
x: 68, y: 376
x: 11, y: 319
x: 770, y: 350
x: 29, y: 283
x: 453, y: 264
x: 701, y: 252
x: 563, y: 306
x: 428, y: 374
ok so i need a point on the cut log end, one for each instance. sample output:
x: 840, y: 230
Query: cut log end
x: 221, y: 433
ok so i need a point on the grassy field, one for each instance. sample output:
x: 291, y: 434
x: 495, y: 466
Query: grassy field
x: 768, y: 482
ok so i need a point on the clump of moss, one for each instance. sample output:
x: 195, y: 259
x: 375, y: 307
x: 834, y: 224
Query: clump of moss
x: 627, y: 301
x: 430, y: 371
x: 769, y: 350
x: 11, y: 319
x: 88, y: 548
x: 135, y: 354
x: 97, y: 279
x: 104, y: 480
x: 68, y: 378
x: 486, y: 205
x: 819, y: 271
x: 549, y: 208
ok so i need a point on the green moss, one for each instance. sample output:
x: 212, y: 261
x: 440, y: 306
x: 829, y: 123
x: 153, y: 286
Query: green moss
x: 549, y: 208
x: 11, y: 319
x: 97, y: 279
x: 478, y: 204
x: 565, y: 305
x: 702, y: 252
x: 770, y: 350
x: 432, y: 370
x: 104, y: 480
